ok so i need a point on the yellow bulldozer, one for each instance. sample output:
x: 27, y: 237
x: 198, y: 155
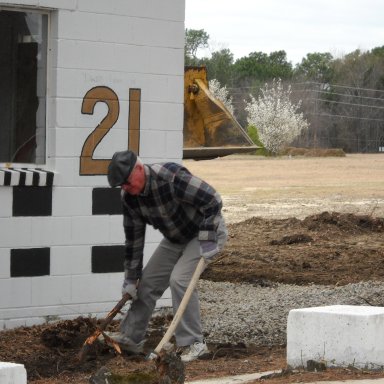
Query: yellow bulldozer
x: 209, y: 128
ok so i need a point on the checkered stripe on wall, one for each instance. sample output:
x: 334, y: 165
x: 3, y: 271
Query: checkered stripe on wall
x: 31, y: 262
x: 30, y: 201
x: 25, y: 176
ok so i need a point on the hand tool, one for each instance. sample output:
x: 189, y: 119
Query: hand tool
x: 100, y: 330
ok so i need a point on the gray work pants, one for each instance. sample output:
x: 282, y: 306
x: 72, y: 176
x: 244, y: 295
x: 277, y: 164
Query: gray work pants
x: 171, y: 265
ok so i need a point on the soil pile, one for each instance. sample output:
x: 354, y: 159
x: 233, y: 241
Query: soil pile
x: 328, y: 248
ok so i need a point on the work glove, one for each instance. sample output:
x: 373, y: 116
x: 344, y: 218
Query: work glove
x: 130, y: 287
x: 208, y: 249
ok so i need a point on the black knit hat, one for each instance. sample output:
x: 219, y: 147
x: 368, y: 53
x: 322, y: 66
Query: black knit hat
x: 120, y: 167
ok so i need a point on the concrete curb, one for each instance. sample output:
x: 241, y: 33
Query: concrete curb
x: 239, y: 379
x: 233, y: 379
x: 364, y: 381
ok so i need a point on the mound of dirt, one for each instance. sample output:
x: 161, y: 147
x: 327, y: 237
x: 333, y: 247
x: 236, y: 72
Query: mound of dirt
x: 329, y: 248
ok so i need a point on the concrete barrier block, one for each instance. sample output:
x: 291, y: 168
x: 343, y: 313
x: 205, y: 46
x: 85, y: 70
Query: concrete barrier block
x: 11, y: 373
x: 338, y: 335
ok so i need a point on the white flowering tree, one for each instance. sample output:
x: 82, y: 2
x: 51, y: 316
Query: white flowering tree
x: 221, y: 93
x: 276, y: 118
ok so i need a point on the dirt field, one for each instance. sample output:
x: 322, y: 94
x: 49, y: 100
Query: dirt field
x: 295, y: 187
x: 292, y: 220
x: 300, y: 220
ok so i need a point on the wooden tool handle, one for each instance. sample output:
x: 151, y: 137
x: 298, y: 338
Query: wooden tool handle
x: 91, y: 339
x: 116, y: 309
x: 184, y: 302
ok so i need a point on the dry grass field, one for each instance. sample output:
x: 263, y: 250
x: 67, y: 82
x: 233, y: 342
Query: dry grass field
x: 285, y: 187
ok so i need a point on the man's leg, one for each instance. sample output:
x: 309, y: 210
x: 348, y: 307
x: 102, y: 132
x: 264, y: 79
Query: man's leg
x: 189, y: 329
x: 154, y: 281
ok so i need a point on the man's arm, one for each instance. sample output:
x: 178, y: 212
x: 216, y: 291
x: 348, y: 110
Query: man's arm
x: 203, y: 198
x: 134, y: 229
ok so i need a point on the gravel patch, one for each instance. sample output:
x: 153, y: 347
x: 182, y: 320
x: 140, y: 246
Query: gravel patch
x: 254, y: 315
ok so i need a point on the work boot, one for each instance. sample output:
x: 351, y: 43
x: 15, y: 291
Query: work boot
x: 194, y: 351
x: 125, y: 343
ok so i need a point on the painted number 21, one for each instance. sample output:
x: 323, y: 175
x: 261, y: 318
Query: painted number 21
x: 89, y: 165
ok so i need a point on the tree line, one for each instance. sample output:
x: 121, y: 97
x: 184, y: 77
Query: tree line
x: 341, y: 98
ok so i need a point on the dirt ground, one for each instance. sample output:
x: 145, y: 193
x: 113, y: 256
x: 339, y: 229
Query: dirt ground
x: 297, y: 221
x: 286, y: 187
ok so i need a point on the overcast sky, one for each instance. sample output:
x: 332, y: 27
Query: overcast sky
x: 296, y: 26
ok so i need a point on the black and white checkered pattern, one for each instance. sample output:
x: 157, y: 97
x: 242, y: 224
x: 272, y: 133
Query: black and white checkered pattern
x: 26, y: 177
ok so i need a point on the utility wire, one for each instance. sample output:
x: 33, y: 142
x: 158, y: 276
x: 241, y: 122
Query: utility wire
x: 338, y: 94
x: 343, y: 116
x: 343, y: 86
x: 379, y: 99
x: 329, y: 101
x: 295, y: 91
x: 319, y: 84
x: 345, y: 103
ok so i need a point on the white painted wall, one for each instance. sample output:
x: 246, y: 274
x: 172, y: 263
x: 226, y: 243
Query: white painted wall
x: 120, y: 44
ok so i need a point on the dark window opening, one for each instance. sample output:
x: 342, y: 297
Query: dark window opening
x: 23, y: 71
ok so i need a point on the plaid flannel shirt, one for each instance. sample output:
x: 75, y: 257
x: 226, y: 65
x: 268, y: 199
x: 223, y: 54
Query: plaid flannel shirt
x: 178, y: 204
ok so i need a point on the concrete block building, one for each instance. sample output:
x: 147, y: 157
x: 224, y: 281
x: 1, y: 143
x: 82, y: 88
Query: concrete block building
x: 79, y: 80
